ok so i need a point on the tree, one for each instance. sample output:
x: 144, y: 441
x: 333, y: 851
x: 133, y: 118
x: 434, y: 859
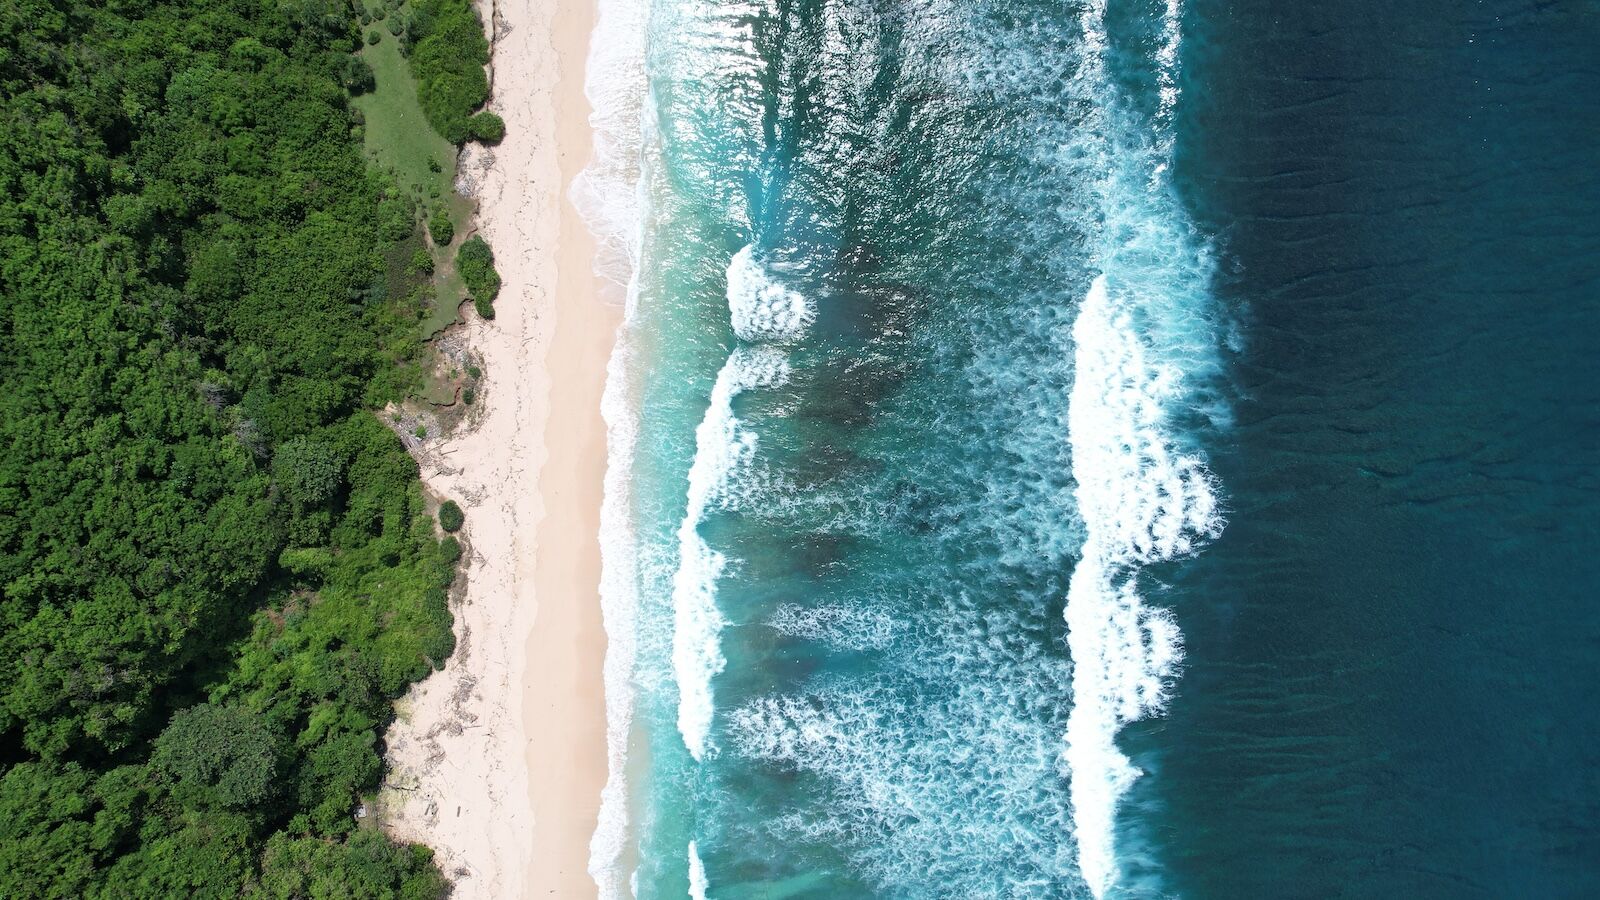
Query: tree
x: 218, y: 754
x: 308, y: 471
x: 204, y: 300
x: 48, y: 841
x: 356, y: 75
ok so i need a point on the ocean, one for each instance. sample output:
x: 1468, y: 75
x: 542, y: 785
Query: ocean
x: 1101, y: 449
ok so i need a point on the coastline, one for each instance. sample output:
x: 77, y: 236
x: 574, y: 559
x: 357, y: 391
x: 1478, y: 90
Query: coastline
x: 497, y: 761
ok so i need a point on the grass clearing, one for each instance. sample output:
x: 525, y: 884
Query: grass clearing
x: 398, y: 135
x: 399, y: 138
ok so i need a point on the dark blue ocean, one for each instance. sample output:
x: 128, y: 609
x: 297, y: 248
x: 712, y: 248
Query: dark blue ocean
x: 1394, y: 647
x: 1126, y: 448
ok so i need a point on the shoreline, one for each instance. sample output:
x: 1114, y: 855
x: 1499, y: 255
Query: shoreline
x: 497, y: 761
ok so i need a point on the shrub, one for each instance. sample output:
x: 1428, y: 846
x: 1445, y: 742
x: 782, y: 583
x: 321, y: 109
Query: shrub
x: 451, y: 518
x: 450, y: 550
x: 396, y: 26
x: 474, y: 372
x: 440, y: 227
x: 356, y: 76
x: 468, y: 396
x: 487, y: 127
x: 475, y: 262
x: 374, y: 36
x: 422, y: 261
x: 484, y: 307
x: 397, y: 218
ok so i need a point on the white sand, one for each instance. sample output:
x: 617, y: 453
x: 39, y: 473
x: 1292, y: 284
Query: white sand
x: 498, y: 760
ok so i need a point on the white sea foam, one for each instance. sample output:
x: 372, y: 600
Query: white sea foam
x: 1142, y: 340
x: 723, y: 446
x: 619, y: 607
x: 607, y: 192
x: 1167, y: 57
x: 610, y: 196
x: 762, y: 308
x: 1142, y: 499
x: 941, y: 775
x: 697, y: 874
x: 705, y: 56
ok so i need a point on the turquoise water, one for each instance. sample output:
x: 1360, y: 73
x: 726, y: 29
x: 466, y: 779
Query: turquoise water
x: 1000, y: 401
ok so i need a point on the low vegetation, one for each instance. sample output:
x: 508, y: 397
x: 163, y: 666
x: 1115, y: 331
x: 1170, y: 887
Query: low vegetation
x: 475, y: 261
x: 450, y: 516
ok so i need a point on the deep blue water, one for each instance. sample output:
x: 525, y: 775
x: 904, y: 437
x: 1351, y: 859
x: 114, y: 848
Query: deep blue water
x: 1393, y: 648
x: 980, y: 348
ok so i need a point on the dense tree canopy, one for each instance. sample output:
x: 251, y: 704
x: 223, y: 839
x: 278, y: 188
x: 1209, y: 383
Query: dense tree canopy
x: 216, y: 567
x: 447, y: 50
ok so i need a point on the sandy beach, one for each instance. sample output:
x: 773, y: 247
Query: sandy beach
x: 497, y: 761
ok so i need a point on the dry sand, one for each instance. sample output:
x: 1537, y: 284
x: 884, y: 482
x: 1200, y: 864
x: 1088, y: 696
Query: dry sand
x: 498, y: 760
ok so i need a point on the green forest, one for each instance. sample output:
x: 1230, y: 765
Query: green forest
x: 217, y: 566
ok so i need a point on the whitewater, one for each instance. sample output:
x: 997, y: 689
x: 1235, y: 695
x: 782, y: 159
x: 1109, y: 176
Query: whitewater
x: 918, y: 363
x: 1140, y: 334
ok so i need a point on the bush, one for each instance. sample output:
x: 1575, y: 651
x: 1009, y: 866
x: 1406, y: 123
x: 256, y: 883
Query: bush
x: 397, y: 217
x: 396, y: 26
x: 364, y: 866
x: 440, y: 227
x: 487, y: 127
x: 374, y: 36
x: 356, y: 76
x: 451, y: 518
x: 484, y: 307
x: 475, y: 262
x: 469, y: 396
x: 474, y: 372
x: 422, y: 261
x: 450, y: 550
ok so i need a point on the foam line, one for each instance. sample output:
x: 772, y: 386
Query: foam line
x: 610, y: 196
x: 761, y: 309
x: 1142, y: 500
x: 697, y: 874
x: 723, y: 446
